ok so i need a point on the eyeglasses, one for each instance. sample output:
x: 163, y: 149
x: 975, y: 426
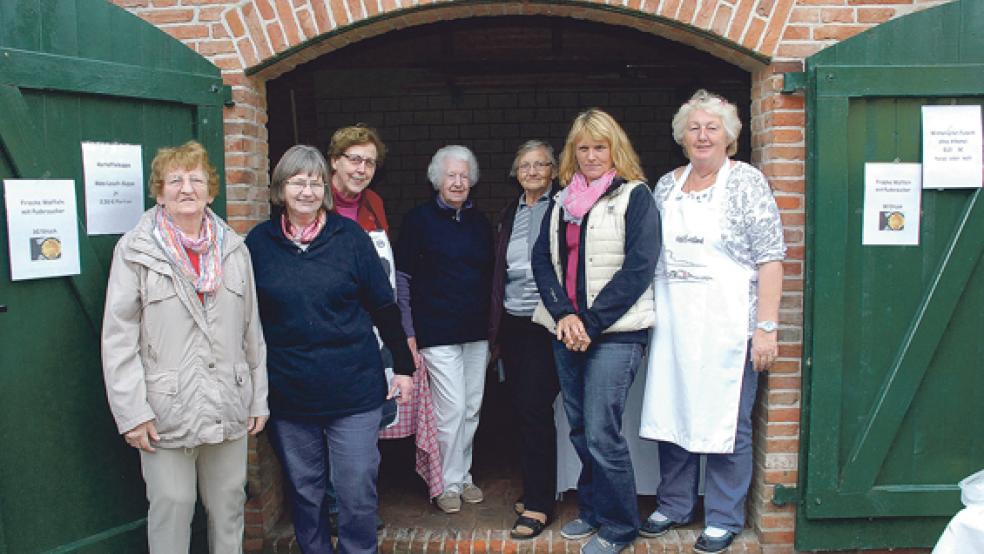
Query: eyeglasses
x: 177, y: 181
x: 357, y: 160
x: 301, y: 184
x: 526, y: 167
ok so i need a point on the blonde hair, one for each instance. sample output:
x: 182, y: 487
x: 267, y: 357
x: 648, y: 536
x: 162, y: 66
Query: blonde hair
x: 715, y: 105
x: 598, y: 125
x: 189, y: 156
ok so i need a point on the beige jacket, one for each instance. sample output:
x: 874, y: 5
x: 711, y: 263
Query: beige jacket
x: 604, y: 252
x: 198, y: 371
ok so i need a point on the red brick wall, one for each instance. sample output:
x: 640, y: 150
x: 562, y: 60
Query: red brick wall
x: 255, y: 35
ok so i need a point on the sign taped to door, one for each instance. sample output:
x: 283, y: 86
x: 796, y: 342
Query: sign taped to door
x: 42, y: 228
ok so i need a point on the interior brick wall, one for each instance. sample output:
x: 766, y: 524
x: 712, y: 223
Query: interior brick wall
x: 255, y: 40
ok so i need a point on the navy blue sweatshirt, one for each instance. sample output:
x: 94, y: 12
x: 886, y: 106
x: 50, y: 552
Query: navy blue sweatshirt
x: 318, y: 307
x: 447, y: 254
x: 643, y: 243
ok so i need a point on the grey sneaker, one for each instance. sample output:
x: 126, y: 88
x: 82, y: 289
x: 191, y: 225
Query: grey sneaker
x: 471, y: 494
x: 577, y: 529
x: 598, y: 545
x: 449, y: 502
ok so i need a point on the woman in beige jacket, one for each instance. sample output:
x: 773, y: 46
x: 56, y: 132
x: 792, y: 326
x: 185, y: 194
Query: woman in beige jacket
x: 183, y: 354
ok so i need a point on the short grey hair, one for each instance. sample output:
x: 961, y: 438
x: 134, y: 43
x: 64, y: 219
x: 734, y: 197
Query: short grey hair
x: 715, y: 105
x: 304, y: 160
x: 528, y: 147
x: 437, y: 167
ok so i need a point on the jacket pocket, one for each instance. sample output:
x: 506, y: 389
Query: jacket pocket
x: 159, y: 288
x: 244, y: 386
x: 162, y: 395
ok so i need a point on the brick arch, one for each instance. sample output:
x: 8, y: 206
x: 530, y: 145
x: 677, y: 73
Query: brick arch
x: 253, y: 41
x: 274, y: 36
x: 262, y: 39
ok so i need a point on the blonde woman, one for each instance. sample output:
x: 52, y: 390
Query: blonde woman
x: 593, y: 263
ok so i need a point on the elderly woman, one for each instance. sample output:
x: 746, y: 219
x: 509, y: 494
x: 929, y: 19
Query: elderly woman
x: 183, y: 354
x: 593, y: 263
x: 321, y: 290
x: 444, y: 264
x: 525, y: 347
x: 354, y: 154
x: 718, y: 285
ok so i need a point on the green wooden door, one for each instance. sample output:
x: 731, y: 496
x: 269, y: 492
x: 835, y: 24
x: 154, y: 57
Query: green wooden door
x: 893, y: 358
x: 73, y: 71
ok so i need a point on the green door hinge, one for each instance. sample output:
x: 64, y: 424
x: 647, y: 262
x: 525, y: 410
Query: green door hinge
x: 793, y: 81
x: 782, y: 495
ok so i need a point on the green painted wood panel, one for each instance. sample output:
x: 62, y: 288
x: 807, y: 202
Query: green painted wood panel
x: 891, y: 349
x: 73, y: 71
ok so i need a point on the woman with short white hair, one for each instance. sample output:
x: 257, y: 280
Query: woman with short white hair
x: 444, y: 272
x: 718, y: 285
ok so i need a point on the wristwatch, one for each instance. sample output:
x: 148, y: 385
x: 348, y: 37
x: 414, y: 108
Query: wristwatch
x: 767, y: 326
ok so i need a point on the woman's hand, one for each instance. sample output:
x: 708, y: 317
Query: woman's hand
x: 141, y: 435
x: 256, y: 424
x: 570, y: 331
x: 418, y: 359
x: 403, y: 384
x: 765, y: 348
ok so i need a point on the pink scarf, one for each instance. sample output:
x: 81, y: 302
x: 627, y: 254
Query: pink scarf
x: 305, y: 235
x: 208, y: 246
x: 580, y: 195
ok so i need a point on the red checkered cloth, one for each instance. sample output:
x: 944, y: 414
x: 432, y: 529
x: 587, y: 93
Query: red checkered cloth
x: 417, y: 417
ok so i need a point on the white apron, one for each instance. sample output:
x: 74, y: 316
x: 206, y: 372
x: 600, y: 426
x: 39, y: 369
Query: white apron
x: 380, y: 240
x: 697, y: 348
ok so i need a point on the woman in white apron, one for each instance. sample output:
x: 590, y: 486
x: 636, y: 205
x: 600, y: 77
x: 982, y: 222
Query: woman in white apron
x: 718, y: 284
x: 354, y: 154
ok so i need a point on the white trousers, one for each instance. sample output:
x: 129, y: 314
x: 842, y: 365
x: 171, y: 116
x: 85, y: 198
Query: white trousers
x: 457, y: 383
x: 172, y: 474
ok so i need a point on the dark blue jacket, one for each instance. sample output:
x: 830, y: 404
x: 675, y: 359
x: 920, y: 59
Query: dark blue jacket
x: 643, y: 243
x: 318, y: 308
x: 448, y: 256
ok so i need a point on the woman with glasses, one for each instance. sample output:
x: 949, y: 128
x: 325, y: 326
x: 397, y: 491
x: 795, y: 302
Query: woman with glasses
x: 525, y: 347
x: 594, y: 263
x: 321, y: 289
x: 444, y: 263
x: 183, y: 354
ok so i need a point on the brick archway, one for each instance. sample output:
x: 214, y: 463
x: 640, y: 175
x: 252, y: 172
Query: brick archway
x: 253, y: 41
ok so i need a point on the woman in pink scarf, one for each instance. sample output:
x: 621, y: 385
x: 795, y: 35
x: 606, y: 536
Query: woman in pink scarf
x: 184, y: 356
x: 594, y: 262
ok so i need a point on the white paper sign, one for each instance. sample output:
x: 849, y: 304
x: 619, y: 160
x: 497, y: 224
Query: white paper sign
x: 114, y: 187
x: 892, y: 194
x: 42, y: 228
x: 951, y: 147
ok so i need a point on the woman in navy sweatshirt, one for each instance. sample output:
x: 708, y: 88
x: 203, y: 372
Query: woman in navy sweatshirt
x: 321, y: 289
x: 444, y: 272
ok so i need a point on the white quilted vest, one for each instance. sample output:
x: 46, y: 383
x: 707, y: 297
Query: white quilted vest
x: 604, y: 251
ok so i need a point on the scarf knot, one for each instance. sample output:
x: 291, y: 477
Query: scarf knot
x: 208, y: 245
x: 306, y: 234
x: 580, y: 195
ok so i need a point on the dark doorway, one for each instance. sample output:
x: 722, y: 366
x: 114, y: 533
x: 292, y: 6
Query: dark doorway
x: 491, y: 84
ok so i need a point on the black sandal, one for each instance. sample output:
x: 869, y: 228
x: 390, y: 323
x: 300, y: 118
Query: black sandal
x: 535, y: 525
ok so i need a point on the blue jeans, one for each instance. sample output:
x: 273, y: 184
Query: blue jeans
x: 726, y: 477
x: 595, y: 385
x: 389, y: 414
x: 307, y: 448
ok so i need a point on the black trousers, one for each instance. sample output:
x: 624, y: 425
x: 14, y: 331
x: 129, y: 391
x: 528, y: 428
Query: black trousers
x: 531, y: 377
